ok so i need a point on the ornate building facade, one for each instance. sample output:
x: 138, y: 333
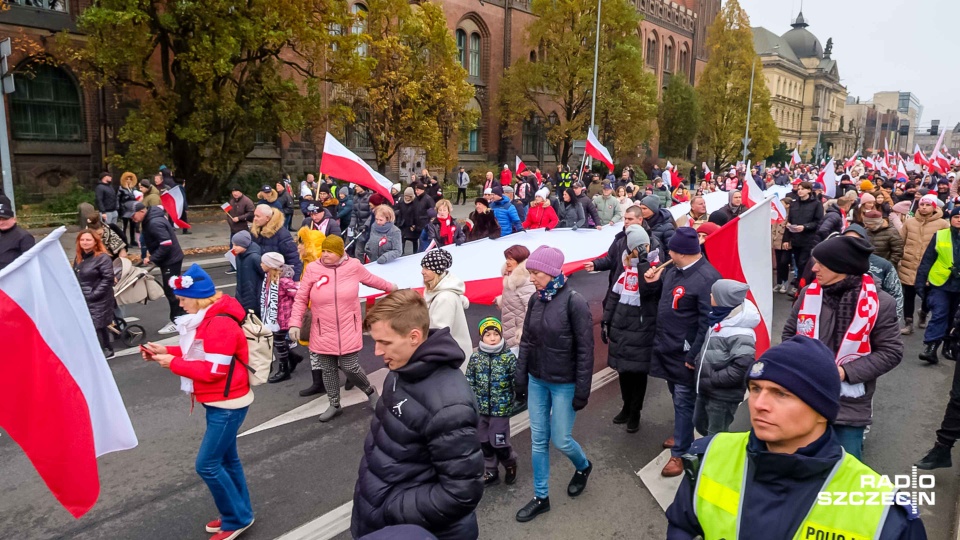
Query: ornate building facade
x: 806, y: 96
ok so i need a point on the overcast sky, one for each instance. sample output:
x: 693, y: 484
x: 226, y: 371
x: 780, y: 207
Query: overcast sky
x: 880, y: 45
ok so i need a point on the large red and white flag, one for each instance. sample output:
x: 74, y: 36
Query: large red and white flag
x: 339, y: 162
x: 753, y: 196
x: 58, y: 399
x: 707, y: 173
x: 901, y: 172
x: 173, y: 201
x: 597, y: 151
x: 481, y: 273
x: 795, y: 158
x: 521, y: 166
x: 740, y: 250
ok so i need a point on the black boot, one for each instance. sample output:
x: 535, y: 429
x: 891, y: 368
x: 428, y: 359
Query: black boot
x: 622, y: 416
x: 317, y: 387
x: 633, y: 423
x: 294, y: 359
x: 937, y: 458
x: 491, y: 478
x: 282, y: 374
x: 511, y: 475
x: 929, y: 353
x: 533, y: 509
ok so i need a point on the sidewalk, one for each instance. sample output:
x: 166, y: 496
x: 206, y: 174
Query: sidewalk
x: 210, y: 239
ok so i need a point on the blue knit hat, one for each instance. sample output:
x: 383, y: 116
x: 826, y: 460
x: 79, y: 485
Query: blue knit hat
x: 685, y: 241
x: 194, y: 283
x: 805, y: 367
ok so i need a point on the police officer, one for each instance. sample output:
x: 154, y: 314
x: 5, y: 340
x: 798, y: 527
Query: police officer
x: 938, y: 283
x: 564, y: 179
x: 783, y: 478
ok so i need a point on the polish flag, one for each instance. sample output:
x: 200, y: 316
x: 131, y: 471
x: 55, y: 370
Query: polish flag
x: 919, y: 159
x: 597, y: 151
x: 828, y: 177
x: 339, y: 162
x: 58, y: 399
x: 937, y: 160
x: 901, y: 172
x: 795, y: 158
x: 886, y: 153
x: 869, y: 163
x: 226, y: 207
x: 520, y: 166
x: 753, y: 196
x: 740, y: 250
x: 707, y: 173
x: 852, y: 161
x: 173, y: 202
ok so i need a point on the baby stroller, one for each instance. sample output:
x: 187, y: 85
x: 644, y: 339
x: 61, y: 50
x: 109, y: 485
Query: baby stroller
x: 133, y: 285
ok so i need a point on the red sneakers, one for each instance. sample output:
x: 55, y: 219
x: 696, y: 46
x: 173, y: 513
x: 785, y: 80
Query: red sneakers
x: 230, y: 535
x: 214, y: 526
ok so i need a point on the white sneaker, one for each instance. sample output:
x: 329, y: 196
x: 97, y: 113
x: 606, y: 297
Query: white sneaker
x: 778, y: 288
x: 170, y: 328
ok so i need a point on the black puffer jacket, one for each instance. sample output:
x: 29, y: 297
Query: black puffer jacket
x: 662, y: 226
x: 682, y: 329
x: 832, y: 222
x: 159, y: 238
x: 631, y: 329
x: 95, y: 274
x: 422, y: 463
x: 808, y: 213
x: 250, y: 278
x: 557, y: 343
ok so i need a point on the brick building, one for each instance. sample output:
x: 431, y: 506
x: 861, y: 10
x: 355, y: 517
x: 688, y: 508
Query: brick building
x: 61, y: 131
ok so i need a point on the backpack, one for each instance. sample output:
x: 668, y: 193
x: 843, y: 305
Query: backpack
x: 259, y: 350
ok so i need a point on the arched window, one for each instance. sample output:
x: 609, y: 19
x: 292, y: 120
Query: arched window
x: 359, y: 25
x: 461, y: 47
x: 470, y: 140
x: 653, y: 48
x: 46, y: 106
x: 668, y: 56
x: 533, y: 56
x: 474, y: 54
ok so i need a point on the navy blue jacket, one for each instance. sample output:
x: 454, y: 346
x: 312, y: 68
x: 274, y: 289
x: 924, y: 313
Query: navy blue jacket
x: 780, y: 489
x: 273, y: 237
x: 250, y: 278
x: 159, y: 238
x: 930, y: 256
x: 681, y: 330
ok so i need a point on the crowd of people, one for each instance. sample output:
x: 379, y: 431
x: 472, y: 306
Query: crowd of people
x: 854, y: 265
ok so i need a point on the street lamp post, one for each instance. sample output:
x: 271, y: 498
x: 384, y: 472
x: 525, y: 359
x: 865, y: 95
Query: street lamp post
x: 746, y: 133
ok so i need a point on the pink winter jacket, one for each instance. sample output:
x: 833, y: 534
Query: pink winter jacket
x: 336, y: 327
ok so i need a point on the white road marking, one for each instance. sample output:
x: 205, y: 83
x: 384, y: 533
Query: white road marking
x: 337, y: 520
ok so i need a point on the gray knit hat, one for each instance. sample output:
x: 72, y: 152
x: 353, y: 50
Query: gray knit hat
x: 651, y: 201
x: 242, y: 239
x: 729, y: 292
x: 636, y: 237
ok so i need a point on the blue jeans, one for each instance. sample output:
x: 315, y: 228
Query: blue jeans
x: 941, y: 305
x: 551, y: 418
x: 684, y: 401
x: 218, y: 464
x: 851, y: 439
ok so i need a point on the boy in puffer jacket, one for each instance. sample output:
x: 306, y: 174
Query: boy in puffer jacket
x: 490, y: 374
x: 729, y: 348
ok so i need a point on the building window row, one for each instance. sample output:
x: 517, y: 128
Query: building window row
x: 788, y: 89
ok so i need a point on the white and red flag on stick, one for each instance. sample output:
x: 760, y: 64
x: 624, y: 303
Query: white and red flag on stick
x: 901, y: 171
x: 740, y: 250
x: 226, y: 207
x: 937, y: 159
x: 795, y: 158
x: 707, y: 173
x: 339, y: 162
x: 852, y: 161
x: 521, y: 166
x: 828, y: 178
x: 58, y: 398
x: 173, y: 201
x: 597, y: 151
x: 919, y: 159
x: 753, y: 196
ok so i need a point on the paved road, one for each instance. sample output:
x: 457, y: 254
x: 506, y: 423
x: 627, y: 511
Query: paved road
x: 303, y: 469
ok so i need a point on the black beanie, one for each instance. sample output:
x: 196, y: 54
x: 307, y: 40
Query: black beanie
x: 844, y: 255
x: 805, y: 367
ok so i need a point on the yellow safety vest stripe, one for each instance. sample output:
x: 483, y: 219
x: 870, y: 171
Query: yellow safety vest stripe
x: 940, y: 270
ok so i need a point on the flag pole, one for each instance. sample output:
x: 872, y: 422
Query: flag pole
x: 746, y: 134
x: 593, y: 96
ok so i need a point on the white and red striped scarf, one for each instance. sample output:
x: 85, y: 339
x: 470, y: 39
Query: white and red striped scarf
x: 856, y: 341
